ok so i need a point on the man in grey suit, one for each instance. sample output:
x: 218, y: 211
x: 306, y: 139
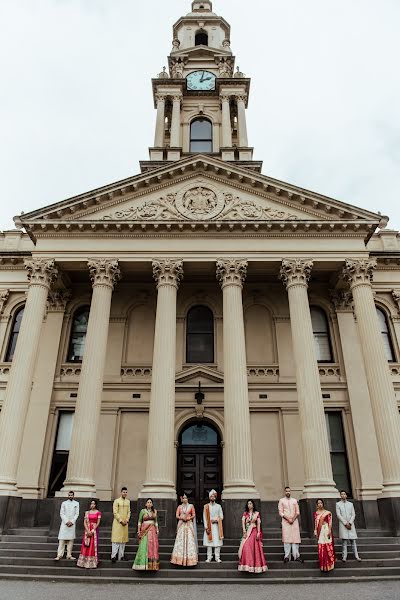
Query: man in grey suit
x: 347, y: 532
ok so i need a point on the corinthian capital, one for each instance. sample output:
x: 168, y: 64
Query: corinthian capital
x: 57, y: 300
x: 295, y: 272
x: 342, y: 300
x: 4, y: 295
x: 358, y: 272
x: 231, y: 272
x: 41, y: 271
x: 104, y: 271
x: 168, y: 272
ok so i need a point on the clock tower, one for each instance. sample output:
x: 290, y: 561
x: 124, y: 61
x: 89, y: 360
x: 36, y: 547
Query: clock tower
x: 201, y: 99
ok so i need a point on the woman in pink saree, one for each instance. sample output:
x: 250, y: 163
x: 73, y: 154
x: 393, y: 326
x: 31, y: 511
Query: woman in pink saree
x: 323, y: 533
x: 251, y: 553
x: 147, y: 556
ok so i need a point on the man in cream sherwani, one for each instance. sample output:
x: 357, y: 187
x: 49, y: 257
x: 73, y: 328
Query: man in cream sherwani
x: 213, y: 531
x: 347, y: 532
x: 69, y: 514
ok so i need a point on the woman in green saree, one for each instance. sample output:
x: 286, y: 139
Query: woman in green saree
x: 147, y: 556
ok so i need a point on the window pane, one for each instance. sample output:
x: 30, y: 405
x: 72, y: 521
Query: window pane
x: 200, y: 320
x: 201, y: 129
x: 200, y: 348
x: 64, y: 431
x: 385, y: 333
x: 78, y: 335
x: 337, y: 446
x: 14, y: 335
x: 322, y: 347
x: 199, y: 435
x: 341, y: 474
x: 318, y: 320
x: 335, y: 430
x: 201, y: 147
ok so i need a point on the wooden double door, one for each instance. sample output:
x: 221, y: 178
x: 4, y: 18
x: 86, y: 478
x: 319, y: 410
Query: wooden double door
x: 199, y: 471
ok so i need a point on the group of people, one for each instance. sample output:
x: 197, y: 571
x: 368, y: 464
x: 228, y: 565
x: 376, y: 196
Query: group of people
x: 185, y: 552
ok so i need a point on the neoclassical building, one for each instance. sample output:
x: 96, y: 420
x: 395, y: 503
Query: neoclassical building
x: 200, y: 325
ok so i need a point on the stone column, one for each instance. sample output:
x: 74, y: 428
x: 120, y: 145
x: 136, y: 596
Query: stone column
x: 384, y: 406
x: 238, y: 460
x: 41, y: 274
x: 30, y: 480
x: 226, y: 122
x: 161, y: 456
x: 160, y: 122
x: 242, y: 127
x: 360, y: 402
x: 176, y: 121
x: 104, y: 274
x: 295, y: 275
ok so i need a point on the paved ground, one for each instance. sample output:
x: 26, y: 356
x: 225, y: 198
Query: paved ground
x: 17, y: 590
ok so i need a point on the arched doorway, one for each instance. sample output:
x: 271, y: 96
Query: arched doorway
x: 199, y: 463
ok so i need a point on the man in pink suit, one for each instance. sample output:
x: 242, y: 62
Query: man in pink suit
x: 289, y: 512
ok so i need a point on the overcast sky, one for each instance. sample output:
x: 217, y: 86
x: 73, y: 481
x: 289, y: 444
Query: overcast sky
x: 76, y: 106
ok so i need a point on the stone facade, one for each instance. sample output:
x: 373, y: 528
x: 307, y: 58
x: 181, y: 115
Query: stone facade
x: 202, y: 229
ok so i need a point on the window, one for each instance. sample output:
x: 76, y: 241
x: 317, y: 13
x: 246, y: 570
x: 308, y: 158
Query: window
x: 337, y: 446
x: 385, y: 333
x: 322, y: 340
x: 14, y: 334
x: 200, y: 335
x: 201, y: 38
x: 58, y: 472
x: 201, y: 136
x: 199, y: 434
x: 78, y: 335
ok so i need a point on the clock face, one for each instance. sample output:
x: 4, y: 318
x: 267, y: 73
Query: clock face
x: 201, y: 80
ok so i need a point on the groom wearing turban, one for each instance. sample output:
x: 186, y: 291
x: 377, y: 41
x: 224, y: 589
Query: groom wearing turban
x: 213, y: 531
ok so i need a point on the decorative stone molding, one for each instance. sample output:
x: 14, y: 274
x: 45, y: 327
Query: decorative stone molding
x: 231, y: 272
x: 395, y: 296
x: 295, y: 272
x: 5, y: 369
x: 41, y: 271
x: 359, y: 272
x: 241, y: 97
x: 71, y: 370
x: 269, y: 372
x: 342, y: 300
x: 168, y: 272
x: 200, y: 204
x: 329, y: 371
x: 104, y: 271
x: 160, y: 98
x: 136, y: 372
x: 4, y: 295
x: 57, y: 300
x: 394, y: 369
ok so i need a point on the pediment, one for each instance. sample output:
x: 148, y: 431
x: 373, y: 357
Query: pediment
x: 199, y: 189
x: 199, y: 374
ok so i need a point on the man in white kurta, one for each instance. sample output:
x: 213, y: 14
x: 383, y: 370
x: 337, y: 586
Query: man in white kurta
x: 347, y: 532
x: 69, y: 514
x: 289, y: 512
x: 216, y: 518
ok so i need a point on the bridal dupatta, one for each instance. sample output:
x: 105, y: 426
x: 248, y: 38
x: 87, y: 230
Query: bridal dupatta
x: 147, y: 557
x: 326, y: 547
x: 251, y: 553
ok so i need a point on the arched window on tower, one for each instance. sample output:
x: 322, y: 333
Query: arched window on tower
x: 78, y: 335
x: 322, y: 341
x: 200, y: 335
x: 16, y: 326
x: 201, y: 38
x: 201, y: 138
x: 385, y: 333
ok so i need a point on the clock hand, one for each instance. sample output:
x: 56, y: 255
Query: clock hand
x: 202, y: 77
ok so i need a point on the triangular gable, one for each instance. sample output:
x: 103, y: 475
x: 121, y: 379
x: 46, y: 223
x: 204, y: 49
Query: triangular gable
x: 199, y: 373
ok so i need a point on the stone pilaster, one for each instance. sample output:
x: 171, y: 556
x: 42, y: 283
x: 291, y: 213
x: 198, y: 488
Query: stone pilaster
x: 41, y: 274
x: 160, y: 121
x: 384, y: 406
x: 104, y: 274
x: 242, y: 126
x: 226, y: 121
x: 295, y: 274
x: 161, y: 456
x: 176, y: 121
x: 370, y: 484
x: 238, y: 460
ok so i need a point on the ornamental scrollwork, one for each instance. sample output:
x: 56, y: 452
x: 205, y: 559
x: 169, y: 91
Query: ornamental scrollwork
x: 231, y: 272
x: 41, y: 271
x: 168, y: 272
x: 104, y: 271
x: 295, y: 272
x: 359, y: 272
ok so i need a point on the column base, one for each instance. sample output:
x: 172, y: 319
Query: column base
x: 80, y: 490
x: 320, y: 490
x: 391, y: 490
x: 155, y: 490
x: 10, y: 508
x: 8, y: 487
x: 242, y: 493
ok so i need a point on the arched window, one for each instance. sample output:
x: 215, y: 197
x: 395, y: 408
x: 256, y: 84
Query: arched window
x: 200, y: 335
x: 322, y: 340
x: 201, y: 38
x: 78, y: 335
x: 12, y: 342
x: 385, y: 333
x: 201, y: 138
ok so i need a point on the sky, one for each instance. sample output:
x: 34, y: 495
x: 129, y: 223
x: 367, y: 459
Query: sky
x: 76, y: 108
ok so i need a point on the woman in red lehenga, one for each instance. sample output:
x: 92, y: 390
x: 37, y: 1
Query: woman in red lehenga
x: 323, y: 533
x: 251, y: 553
x: 89, y: 557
